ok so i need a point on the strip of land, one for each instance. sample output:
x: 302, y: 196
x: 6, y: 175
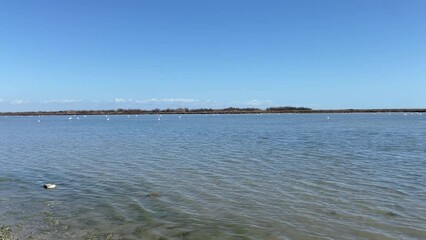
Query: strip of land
x: 229, y: 110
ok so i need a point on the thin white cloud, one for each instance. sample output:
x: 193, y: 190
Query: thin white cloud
x: 123, y: 100
x: 63, y: 101
x: 170, y: 100
x: 165, y: 103
x: 120, y: 100
x: 18, y: 101
x: 256, y: 102
x: 156, y: 100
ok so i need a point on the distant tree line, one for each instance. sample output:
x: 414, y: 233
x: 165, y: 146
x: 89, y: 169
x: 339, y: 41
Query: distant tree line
x: 287, y: 108
x: 229, y: 110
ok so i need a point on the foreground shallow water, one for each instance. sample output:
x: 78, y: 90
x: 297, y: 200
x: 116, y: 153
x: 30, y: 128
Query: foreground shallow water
x: 288, y: 176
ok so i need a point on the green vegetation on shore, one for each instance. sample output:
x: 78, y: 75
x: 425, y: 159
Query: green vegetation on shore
x: 230, y: 110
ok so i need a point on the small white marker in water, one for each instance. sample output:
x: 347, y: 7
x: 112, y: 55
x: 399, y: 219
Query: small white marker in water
x: 70, y: 118
x: 85, y: 116
x: 107, y: 118
x: 180, y: 116
x: 78, y: 118
x: 328, y: 117
x: 38, y: 120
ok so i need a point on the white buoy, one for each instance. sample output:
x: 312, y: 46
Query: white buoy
x: 328, y: 117
x: 107, y: 119
x: 49, y: 185
x: 38, y: 120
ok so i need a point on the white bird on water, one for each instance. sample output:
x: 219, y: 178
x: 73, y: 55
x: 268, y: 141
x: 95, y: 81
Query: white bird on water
x: 107, y: 119
x: 70, y: 118
x: 38, y: 120
x: 180, y: 116
x: 328, y: 117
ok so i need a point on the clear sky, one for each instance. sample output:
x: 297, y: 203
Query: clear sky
x: 322, y: 54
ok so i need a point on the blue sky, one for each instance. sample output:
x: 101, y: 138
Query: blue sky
x: 324, y: 54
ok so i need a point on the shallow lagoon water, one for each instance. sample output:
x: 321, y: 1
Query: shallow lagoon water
x: 279, y: 176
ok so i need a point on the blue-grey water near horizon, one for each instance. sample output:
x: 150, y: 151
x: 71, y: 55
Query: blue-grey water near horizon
x: 277, y: 176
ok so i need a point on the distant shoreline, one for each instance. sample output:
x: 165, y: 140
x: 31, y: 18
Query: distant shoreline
x: 209, y: 111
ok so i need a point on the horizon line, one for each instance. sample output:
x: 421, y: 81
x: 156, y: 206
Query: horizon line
x: 228, y: 110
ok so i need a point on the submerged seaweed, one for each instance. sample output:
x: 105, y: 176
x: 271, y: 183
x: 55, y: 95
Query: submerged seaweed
x: 6, y: 233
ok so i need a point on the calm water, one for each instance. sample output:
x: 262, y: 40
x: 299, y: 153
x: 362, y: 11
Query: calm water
x: 352, y: 176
